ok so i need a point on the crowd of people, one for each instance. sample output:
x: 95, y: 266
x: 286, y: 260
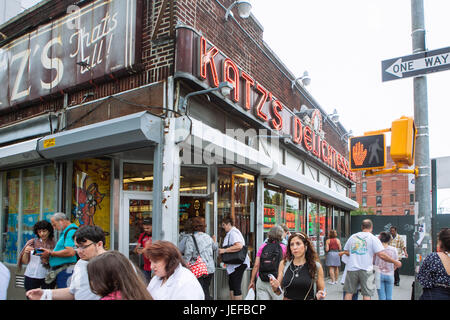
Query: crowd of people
x: 286, y: 267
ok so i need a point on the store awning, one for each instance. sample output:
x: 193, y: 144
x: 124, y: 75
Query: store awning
x: 125, y: 133
x: 299, y: 182
x: 206, y: 139
x: 19, y: 154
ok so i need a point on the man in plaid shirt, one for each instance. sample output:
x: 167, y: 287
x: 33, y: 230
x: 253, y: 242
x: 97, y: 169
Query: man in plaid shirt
x: 398, y: 243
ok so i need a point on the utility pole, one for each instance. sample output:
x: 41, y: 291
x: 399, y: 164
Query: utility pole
x: 422, y: 241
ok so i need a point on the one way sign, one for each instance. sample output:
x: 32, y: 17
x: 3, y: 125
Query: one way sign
x: 416, y: 64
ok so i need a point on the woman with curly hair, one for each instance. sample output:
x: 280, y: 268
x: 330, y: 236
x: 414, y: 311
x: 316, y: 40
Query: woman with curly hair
x: 299, y: 271
x: 37, y: 266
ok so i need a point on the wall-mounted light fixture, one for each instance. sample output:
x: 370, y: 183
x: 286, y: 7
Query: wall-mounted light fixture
x: 347, y: 135
x: 302, y: 112
x: 305, y: 78
x: 224, y: 87
x: 244, y: 8
x: 334, y: 117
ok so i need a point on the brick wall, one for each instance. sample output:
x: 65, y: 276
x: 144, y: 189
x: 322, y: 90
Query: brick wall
x: 394, y: 192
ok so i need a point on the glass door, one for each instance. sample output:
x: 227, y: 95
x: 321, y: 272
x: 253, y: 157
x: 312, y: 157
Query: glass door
x: 137, y: 206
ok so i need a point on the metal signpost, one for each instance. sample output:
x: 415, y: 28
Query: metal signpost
x: 418, y: 65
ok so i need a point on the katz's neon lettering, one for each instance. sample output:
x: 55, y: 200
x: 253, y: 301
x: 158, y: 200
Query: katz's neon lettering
x: 298, y: 130
x: 255, y: 97
x: 307, y: 138
x: 229, y: 65
x: 249, y: 82
x: 262, y: 101
x: 277, y: 123
x: 208, y: 58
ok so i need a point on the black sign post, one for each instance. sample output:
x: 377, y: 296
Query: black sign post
x: 368, y: 152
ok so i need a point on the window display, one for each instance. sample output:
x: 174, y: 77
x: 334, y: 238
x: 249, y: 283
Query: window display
x: 236, y: 198
x: 29, y: 195
x: 294, y: 218
x: 273, y: 207
x: 91, y: 194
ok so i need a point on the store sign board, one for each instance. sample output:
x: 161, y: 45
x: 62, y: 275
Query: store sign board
x: 98, y: 41
x: 198, y: 57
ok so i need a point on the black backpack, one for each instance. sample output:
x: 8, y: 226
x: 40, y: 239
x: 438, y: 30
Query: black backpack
x: 270, y: 259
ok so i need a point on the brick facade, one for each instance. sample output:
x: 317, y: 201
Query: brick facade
x: 396, y: 199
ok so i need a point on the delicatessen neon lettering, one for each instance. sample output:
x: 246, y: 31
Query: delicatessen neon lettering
x: 253, y: 97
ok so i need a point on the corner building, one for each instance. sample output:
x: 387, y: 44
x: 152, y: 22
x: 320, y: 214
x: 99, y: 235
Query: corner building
x: 101, y: 117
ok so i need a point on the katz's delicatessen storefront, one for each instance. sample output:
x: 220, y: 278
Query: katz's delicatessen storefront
x: 241, y: 153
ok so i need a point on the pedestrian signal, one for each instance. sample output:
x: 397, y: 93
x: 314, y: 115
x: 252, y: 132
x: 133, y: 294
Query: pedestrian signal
x: 367, y: 152
x: 403, y: 138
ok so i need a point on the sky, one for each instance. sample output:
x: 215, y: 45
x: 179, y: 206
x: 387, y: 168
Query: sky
x: 342, y: 44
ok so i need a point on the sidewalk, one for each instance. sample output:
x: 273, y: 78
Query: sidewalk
x: 402, y: 292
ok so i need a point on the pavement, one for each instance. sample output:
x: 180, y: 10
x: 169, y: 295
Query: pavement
x: 402, y: 292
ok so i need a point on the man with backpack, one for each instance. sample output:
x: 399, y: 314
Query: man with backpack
x: 63, y: 257
x: 267, y: 262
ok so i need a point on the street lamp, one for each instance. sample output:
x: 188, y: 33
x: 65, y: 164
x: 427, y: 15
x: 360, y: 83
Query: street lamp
x: 244, y: 8
x: 224, y: 87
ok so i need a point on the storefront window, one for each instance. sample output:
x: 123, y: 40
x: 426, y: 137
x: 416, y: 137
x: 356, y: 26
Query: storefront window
x: 273, y: 207
x: 236, y: 198
x: 50, y: 179
x: 294, y: 212
x: 313, y: 222
x: 25, y: 202
x: 91, y: 194
x: 193, y: 181
x: 137, y: 177
x: 11, y: 215
x: 322, y: 228
x: 31, y: 195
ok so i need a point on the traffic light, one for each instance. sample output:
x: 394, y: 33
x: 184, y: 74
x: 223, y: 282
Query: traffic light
x: 367, y: 152
x: 403, y: 138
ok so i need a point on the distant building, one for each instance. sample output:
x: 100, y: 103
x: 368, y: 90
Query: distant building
x: 9, y: 9
x: 386, y: 194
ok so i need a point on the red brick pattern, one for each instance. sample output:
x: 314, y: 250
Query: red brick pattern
x: 394, y: 192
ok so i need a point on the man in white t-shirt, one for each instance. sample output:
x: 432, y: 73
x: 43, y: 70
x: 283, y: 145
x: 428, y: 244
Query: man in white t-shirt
x: 89, y: 244
x: 4, y: 281
x: 361, y: 248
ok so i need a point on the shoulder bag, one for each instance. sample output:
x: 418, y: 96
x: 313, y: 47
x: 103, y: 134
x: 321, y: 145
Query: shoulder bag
x: 234, y: 257
x: 198, y: 268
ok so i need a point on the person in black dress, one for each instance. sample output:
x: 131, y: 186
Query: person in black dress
x: 300, y: 271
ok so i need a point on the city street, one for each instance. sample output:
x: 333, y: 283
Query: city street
x: 403, y: 292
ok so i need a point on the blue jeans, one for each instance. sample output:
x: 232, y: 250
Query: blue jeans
x: 386, y: 287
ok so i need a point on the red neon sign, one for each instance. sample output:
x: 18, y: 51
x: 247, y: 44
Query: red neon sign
x: 254, y: 97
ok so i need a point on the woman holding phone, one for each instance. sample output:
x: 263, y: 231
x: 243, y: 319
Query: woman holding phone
x: 37, y: 266
x: 299, y: 272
